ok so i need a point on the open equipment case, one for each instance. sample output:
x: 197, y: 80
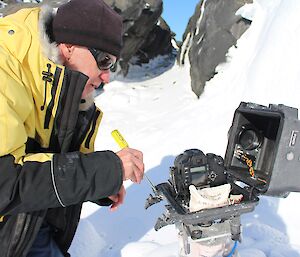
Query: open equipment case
x: 262, y: 158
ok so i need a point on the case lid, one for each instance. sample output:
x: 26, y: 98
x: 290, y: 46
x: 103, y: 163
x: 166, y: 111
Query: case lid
x: 263, y: 149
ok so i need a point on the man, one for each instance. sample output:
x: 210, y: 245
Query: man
x: 50, y: 64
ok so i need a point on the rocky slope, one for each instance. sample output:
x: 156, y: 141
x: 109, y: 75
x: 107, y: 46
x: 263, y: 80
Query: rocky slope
x: 211, y: 31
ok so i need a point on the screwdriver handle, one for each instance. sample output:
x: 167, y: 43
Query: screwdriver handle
x: 119, y: 139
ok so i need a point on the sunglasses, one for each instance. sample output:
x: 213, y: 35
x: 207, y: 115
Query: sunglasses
x: 104, y: 61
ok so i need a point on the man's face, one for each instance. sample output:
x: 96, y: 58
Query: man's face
x: 82, y: 60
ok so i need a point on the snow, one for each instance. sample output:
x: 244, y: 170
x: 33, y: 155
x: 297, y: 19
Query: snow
x: 156, y: 111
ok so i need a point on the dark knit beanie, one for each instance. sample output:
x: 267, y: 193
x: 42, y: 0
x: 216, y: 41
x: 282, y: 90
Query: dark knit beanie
x: 89, y: 23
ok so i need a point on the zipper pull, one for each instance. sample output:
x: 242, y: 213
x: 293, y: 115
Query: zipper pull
x: 47, y: 77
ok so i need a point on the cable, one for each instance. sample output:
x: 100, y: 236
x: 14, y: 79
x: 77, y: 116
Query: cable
x: 232, y: 250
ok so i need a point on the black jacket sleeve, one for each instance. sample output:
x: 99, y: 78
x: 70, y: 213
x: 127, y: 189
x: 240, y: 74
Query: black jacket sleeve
x: 64, y: 180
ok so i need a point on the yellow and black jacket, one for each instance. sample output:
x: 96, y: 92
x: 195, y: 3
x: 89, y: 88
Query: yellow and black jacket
x: 48, y: 166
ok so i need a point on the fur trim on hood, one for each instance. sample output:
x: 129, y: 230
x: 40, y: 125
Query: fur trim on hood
x: 49, y: 48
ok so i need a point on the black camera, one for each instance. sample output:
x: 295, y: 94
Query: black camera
x: 193, y: 167
x: 262, y: 157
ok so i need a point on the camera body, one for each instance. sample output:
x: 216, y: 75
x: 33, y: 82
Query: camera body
x: 193, y: 167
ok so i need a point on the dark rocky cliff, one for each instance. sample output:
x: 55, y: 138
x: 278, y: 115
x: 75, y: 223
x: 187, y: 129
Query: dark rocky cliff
x: 211, y: 31
x: 143, y: 28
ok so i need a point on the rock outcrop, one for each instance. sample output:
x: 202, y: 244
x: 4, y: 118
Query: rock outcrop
x: 143, y: 27
x: 211, y: 31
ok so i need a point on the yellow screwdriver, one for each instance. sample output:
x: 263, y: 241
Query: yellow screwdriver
x: 123, y: 144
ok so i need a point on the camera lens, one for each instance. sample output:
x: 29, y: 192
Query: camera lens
x: 250, y: 139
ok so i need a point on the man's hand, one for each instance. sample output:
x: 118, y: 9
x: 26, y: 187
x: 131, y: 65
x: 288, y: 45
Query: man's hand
x: 118, y: 199
x: 133, y: 165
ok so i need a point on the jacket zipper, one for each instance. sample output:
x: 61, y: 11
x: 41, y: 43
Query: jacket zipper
x: 53, y: 93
